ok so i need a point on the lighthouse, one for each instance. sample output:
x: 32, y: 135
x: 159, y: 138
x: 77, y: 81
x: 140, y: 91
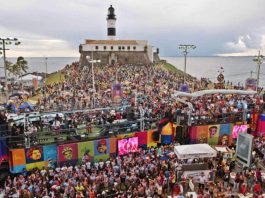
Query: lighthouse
x: 111, y: 21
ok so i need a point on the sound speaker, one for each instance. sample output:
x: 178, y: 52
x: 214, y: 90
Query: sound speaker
x: 179, y: 134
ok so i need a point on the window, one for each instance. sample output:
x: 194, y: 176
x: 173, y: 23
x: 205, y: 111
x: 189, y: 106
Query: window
x: 96, y: 47
x: 128, y: 47
x: 111, y: 47
x: 119, y: 47
x: 134, y: 47
x: 105, y: 47
x: 123, y: 47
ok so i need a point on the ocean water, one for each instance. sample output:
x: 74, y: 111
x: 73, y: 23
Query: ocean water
x: 37, y: 64
x: 236, y: 69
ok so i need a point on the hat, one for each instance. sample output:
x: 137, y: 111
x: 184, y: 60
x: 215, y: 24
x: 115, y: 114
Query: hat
x: 102, y: 142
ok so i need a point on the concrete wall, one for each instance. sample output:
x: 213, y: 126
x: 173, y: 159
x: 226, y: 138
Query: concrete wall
x: 121, y: 57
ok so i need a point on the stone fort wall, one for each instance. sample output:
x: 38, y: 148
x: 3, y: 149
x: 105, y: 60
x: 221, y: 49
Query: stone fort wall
x: 119, y: 57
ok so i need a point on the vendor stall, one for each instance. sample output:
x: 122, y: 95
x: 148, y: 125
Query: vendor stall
x: 186, y: 155
x: 194, y: 151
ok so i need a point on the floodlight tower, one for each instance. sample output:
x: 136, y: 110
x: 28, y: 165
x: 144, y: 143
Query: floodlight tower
x: 184, y: 49
x: 259, y: 59
x: 4, y: 42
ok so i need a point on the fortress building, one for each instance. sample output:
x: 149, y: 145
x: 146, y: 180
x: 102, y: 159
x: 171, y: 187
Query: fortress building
x: 113, y: 51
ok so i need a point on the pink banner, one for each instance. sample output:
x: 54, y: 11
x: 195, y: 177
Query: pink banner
x: 126, y: 146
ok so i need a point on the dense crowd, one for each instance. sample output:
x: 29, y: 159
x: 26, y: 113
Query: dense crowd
x: 155, y: 172
x: 151, y: 84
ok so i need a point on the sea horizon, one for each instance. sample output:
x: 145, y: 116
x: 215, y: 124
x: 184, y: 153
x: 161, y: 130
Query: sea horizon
x: 236, y: 68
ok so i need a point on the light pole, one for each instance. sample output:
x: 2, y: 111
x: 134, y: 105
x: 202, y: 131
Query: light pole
x: 92, y: 61
x: 46, y: 69
x: 184, y: 49
x: 259, y: 60
x: 4, y: 42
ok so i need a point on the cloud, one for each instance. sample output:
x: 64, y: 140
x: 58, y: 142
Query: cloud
x: 212, y: 25
x: 246, y: 45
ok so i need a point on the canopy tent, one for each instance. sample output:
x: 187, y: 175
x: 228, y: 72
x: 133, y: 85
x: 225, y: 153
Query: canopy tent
x: 194, y: 151
x: 29, y: 77
x: 213, y: 91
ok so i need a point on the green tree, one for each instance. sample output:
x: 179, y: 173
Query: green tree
x: 10, y: 68
x: 19, y: 68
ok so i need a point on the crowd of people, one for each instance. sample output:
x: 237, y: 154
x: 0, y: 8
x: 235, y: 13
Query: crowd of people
x: 155, y: 172
x: 148, y: 87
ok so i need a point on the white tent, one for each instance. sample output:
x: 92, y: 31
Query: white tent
x: 29, y: 77
x: 191, y: 151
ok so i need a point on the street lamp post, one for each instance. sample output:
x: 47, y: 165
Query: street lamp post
x: 92, y: 61
x: 259, y: 60
x: 46, y: 69
x: 184, y: 49
x: 4, y: 42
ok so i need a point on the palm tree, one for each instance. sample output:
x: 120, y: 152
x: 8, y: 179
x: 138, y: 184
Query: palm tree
x: 10, y: 68
x: 19, y: 68
x: 22, y: 66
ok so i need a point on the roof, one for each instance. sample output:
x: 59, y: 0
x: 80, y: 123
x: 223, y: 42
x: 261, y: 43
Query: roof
x: 194, y: 151
x: 112, y: 42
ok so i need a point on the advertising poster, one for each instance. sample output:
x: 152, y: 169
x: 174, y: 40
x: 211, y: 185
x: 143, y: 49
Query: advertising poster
x: 254, y: 117
x: 101, y: 147
x: 18, y: 169
x: 213, y: 134
x: 251, y: 84
x: 225, y: 138
x: 116, y: 93
x: 38, y: 165
x: 193, y: 134
x: 34, y: 154
x: 113, y: 145
x: 239, y: 129
x: 68, y: 153
x: 101, y: 157
x: 85, y: 151
x: 51, y: 155
x: 127, y: 135
x: 18, y: 157
x: 261, y: 125
x: 142, y: 138
x: 202, y: 134
x: 128, y: 145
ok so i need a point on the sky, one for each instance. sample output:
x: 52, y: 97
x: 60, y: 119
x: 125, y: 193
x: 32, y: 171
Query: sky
x: 57, y: 27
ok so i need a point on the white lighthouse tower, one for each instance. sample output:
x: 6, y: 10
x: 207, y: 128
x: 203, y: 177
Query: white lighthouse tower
x: 111, y: 21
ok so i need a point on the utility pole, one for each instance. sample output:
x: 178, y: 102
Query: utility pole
x: 258, y: 60
x: 4, y: 42
x: 46, y: 70
x: 184, y: 49
x: 92, y: 61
